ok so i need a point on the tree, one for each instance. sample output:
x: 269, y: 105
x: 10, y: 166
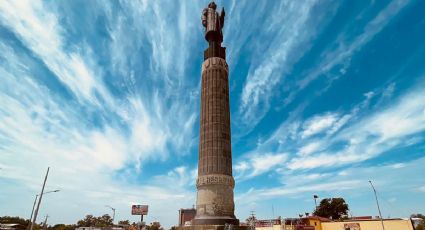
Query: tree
x: 104, y: 221
x: 154, y: 226
x: 124, y: 222
x: 62, y: 227
x: 420, y: 226
x: 14, y: 220
x: 92, y: 221
x: 251, y: 221
x: 17, y: 220
x: 332, y: 208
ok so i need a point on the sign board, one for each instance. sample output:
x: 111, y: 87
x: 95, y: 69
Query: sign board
x: 139, y: 210
x: 352, y: 226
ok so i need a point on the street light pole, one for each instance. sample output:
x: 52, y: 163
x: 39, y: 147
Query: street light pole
x: 377, y: 204
x: 45, y: 222
x: 113, y: 213
x: 33, y: 206
x: 32, y: 212
x: 315, y: 202
x: 39, y: 200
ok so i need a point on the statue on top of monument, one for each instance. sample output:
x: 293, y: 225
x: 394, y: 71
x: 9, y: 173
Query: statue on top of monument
x: 213, y: 23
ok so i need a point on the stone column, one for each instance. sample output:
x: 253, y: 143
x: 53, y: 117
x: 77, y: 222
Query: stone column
x: 215, y: 183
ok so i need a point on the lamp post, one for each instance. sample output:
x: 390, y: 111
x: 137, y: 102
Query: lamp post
x: 113, y: 213
x: 315, y: 202
x: 377, y: 204
x: 45, y: 222
x: 33, y: 206
x: 39, y: 200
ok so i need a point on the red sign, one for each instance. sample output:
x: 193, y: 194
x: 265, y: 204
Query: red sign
x: 139, y: 210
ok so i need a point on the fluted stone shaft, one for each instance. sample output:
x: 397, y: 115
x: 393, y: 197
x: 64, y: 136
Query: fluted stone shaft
x: 215, y: 182
x: 215, y: 156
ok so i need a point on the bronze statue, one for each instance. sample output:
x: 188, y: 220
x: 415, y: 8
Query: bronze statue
x: 213, y: 23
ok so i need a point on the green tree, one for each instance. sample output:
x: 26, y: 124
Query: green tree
x: 17, y: 220
x: 124, y: 222
x: 420, y: 226
x: 154, y: 226
x: 92, y: 221
x: 14, y: 220
x: 104, y: 221
x: 251, y: 221
x: 333, y: 208
x: 88, y: 221
x: 62, y: 227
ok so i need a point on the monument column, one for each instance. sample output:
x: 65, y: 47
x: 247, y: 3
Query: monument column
x: 215, y: 183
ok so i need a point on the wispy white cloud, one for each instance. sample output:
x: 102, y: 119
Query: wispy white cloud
x: 343, y: 138
x: 259, y: 163
x: 347, y: 183
x: 318, y: 124
x: 39, y: 29
x: 284, y: 50
x: 39, y: 128
x: 140, y: 108
x: 181, y: 176
x: 164, y: 33
x: 309, y: 148
x: 398, y: 165
x: 373, y: 135
x: 265, y: 194
x: 341, y: 56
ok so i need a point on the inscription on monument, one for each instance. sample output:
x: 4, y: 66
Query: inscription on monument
x: 215, y: 62
x: 215, y: 179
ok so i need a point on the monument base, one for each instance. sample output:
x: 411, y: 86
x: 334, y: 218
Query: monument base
x: 216, y: 220
x: 213, y: 227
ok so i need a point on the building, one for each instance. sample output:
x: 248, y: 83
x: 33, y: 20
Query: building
x: 186, y: 216
x: 320, y: 223
x: 371, y: 224
x: 267, y: 223
x: 12, y: 227
x: 100, y: 228
x: 287, y: 224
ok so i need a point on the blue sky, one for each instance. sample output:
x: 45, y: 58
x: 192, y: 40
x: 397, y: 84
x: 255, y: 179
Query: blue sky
x: 325, y: 95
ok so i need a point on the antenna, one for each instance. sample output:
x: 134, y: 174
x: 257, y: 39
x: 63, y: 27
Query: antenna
x: 252, y: 220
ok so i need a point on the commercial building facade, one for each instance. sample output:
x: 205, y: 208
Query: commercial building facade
x: 186, y: 216
x: 319, y: 223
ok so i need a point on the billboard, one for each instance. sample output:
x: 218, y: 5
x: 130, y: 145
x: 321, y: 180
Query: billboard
x: 139, y: 209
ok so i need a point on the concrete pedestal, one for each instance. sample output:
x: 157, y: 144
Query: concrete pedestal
x: 213, y: 227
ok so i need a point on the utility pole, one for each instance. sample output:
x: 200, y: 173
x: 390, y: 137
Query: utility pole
x: 39, y: 200
x: 33, y: 207
x: 252, y: 221
x: 32, y: 212
x: 45, y: 222
x: 272, y: 219
x: 377, y: 204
